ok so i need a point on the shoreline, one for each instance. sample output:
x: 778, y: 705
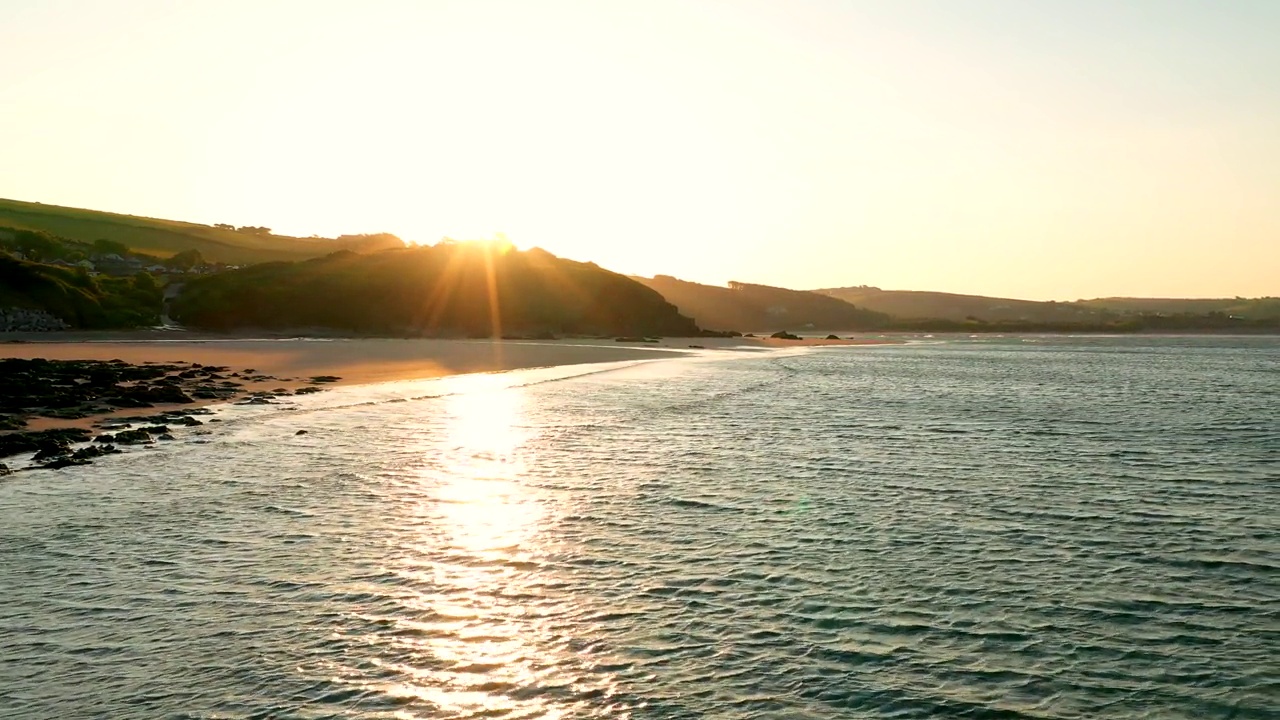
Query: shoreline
x: 283, y: 366
x: 147, y: 365
x: 290, y: 359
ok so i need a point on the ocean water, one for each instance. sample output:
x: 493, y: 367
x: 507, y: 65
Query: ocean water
x: 990, y: 528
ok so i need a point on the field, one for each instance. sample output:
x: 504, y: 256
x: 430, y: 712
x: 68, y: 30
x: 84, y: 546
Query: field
x: 160, y: 237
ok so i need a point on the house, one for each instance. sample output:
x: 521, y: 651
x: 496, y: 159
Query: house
x: 115, y: 265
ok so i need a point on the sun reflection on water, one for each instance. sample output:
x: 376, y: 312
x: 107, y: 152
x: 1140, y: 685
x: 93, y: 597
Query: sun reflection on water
x: 474, y: 635
x: 482, y: 502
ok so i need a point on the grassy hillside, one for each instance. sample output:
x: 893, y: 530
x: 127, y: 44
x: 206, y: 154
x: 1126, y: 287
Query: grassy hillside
x: 761, y: 308
x: 450, y: 289
x: 167, y: 237
x: 1250, y: 308
x: 75, y: 297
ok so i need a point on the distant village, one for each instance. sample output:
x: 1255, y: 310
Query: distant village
x: 102, y: 257
x: 115, y: 265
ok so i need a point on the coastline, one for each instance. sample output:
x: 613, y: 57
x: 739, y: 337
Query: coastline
x: 361, y: 360
x: 286, y: 364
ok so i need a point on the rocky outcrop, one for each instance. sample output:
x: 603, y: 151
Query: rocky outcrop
x: 41, y: 440
x: 26, y: 320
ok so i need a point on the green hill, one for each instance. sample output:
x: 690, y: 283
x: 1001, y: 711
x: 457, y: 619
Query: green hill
x: 1249, y: 308
x: 760, y: 308
x: 450, y: 289
x: 77, y: 298
x: 222, y: 244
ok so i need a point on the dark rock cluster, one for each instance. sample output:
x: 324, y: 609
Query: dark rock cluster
x: 71, y: 389
x: 41, y: 441
x: 27, y: 320
x: 74, y: 389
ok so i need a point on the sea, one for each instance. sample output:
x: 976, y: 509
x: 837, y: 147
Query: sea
x: 994, y: 527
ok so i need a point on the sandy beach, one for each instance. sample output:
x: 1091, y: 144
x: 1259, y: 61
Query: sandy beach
x: 355, y: 361
x: 364, y: 360
x: 291, y: 362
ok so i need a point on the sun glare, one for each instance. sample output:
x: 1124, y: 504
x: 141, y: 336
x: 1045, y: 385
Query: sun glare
x: 482, y: 523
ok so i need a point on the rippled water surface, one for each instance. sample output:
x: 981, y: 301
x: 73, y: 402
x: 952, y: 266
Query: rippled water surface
x: 1007, y: 528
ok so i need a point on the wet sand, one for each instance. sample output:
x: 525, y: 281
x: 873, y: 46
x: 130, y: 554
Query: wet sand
x: 364, y: 360
x: 355, y: 361
x: 292, y: 362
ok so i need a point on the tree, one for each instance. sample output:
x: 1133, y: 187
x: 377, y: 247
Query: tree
x: 102, y: 246
x: 37, y: 245
x: 186, y: 259
x: 145, y: 283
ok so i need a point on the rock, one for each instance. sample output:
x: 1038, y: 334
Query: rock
x: 32, y: 442
x: 4, y: 470
x: 66, y: 414
x: 130, y: 437
x: 162, y: 394
x: 784, y: 335
x: 308, y: 390
x: 301, y: 432
x: 51, y: 451
x: 166, y: 437
x: 833, y: 337
x: 126, y: 402
x: 325, y: 378
x: 27, y: 320
x: 186, y: 421
x: 698, y: 347
x: 94, y: 451
x: 61, y: 463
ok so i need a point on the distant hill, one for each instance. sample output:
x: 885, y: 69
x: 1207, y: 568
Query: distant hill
x: 1251, y: 308
x: 760, y: 308
x: 450, y: 289
x: 220, y: 244
x: 915, y: 304
x: 919, y: 305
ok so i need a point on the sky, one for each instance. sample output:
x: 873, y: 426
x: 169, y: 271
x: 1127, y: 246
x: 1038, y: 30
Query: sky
x: 1040, y: 149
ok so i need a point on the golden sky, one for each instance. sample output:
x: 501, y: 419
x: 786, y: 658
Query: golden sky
x: 1045, y: 149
